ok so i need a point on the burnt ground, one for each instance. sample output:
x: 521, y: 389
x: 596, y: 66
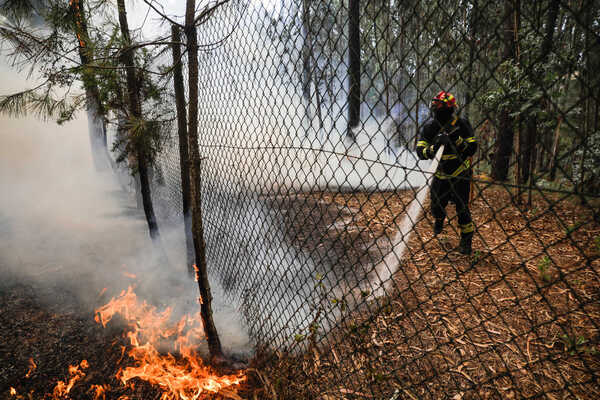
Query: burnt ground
x: 51, y: 279
x: 519, y: 318
x: 57, y: 336
x: 54, y: 338
x: 503, y: 323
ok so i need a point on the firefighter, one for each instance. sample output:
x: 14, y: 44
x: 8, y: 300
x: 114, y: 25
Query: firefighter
x: 452, y: 181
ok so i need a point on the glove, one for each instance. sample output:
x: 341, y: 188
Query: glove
x: 441, y: 140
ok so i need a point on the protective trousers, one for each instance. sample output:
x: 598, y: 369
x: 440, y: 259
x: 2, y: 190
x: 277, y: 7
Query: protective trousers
x: 457, y: 190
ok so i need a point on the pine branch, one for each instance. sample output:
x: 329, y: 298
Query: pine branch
x: 40, y: 102
x: 17, y: 9
x: 31, y: 48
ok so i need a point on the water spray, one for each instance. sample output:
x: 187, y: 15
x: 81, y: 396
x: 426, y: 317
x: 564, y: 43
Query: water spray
x: 380, y: 277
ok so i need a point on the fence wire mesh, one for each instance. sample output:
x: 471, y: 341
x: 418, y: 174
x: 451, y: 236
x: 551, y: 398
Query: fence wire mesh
x: 319, y: 225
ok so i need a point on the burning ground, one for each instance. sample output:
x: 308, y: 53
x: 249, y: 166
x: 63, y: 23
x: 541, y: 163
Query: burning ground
x: 72, y: 243
x: 61, y: 353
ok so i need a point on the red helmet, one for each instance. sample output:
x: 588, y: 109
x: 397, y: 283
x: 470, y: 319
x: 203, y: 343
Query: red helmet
x: 443, y: 100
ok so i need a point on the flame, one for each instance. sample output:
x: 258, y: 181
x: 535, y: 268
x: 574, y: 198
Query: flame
x: 125, y: 301
x: 32, y: 367
x: 196, y: 274
x: 63, y: 388
x: 182, y: 377
x: 130, y: 275
x: 99, y: 391
x: 13, y: 391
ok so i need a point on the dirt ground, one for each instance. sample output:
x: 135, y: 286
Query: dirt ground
x: 519, y: 318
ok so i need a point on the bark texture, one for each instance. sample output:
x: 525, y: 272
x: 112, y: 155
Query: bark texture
x: 96, y: 111
x: 506, y: 131
x: 184, y: 158
x: 212, y: 336
x: 135, y: 117
x: 353, y: 65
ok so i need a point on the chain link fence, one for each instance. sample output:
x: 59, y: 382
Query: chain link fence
x: 319, y: 227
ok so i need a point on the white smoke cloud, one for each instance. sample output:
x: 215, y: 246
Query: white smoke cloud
x: 65, y: 227
x: 76, y: 226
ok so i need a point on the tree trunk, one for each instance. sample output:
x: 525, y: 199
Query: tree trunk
x: 419, y: 66
x: 505, y: 133
x: 135, y: 111
x: 589, y: 179
x: 401, y: 91
x: 544, y: 54
x: 353, y: 66
x: 96, y: 112
x: 184, y: 159
x: 319, y: 100
x: 527, y: 150
x: 387, y: 49
x: 472, y: 42
x: 553, y: 156
x: 401, y: 51
x: 529, y: 156
x: 214, y: 343
x: 306, y: 57
x: 550, y: 28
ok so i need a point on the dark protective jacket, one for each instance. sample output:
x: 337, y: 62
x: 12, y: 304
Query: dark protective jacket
x: 455, y: 159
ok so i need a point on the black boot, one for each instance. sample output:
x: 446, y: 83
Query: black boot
x: 438, y: 226
x: 465, y: 246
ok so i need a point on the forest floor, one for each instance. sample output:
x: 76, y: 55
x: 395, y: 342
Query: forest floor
x: 40, y: 344
x: 519, y: 318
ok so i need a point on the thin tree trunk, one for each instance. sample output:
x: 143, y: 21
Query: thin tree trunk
x: 400, y: 51
x: 529, y: 158
x: 518, y: 159
x: 214, y: 343
x: 319, y: 100
x: 418, y: 68
x: 472, y: 35
x: 417, y: 96
x: 550, y: 28
x: 135, y: 110
x: 306, y: 57
x: 96, y: 112
x: 387, y: 50
x: 588, y: 178
x: 184, y: 159
x: 553, y: 157
x: 400, y: 81
x: 353, y: 65
x: 506, y: 133
x: 544, y: 54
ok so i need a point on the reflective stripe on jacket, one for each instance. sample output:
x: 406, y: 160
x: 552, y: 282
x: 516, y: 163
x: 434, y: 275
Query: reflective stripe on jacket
x: 455, y: 159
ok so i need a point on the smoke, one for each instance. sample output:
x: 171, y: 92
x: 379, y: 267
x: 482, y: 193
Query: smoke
x: 68, y: 226
x: 270, y: 136
x: 70, y: 232
x: 260, y: 140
